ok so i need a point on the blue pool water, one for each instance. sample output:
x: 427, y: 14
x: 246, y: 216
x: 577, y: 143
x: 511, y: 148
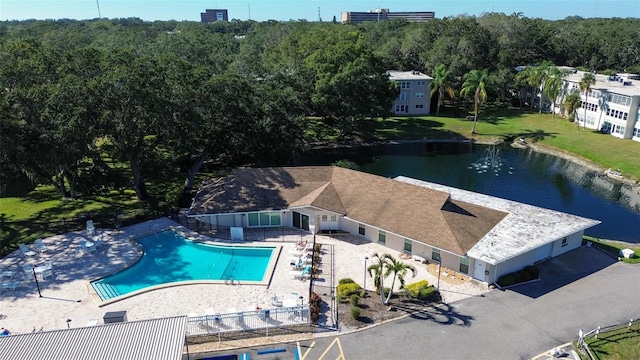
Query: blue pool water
x: 168, y: 257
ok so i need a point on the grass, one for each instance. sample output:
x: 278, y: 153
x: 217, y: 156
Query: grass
x: 619, y: 344
x: 614, y: 247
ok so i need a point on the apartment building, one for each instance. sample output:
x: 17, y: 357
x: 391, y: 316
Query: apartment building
x: 415, y: 89
x: 612, y: 105
x: 384, y: 15
x: 213, y: 15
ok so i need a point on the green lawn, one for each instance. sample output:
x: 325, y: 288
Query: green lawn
x: 621, y: 344
x: 614, y: 247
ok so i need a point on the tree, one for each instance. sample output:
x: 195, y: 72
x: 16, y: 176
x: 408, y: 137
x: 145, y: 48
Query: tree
x: 376, y: 271
x: 585, y: 86
x: 603, y: 104
x: 398, y: 270
x: 571, y: 104
x: 475, y: 82
x: 442, y: 85
x: 553, y: 86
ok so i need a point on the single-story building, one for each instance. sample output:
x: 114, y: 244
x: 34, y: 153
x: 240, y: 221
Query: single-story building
x: 153, y: 339
x: 479, y: 235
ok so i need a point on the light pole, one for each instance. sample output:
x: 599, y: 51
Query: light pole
x: 33, y: 269
x: 365, y: 272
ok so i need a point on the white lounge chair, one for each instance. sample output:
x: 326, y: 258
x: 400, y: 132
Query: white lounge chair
x: 301, y: 275
x: 90, y: 229
x: 40, y: 246
x: 25, y: 250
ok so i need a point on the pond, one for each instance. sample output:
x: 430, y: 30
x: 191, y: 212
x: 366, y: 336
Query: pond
x: 524, y: 175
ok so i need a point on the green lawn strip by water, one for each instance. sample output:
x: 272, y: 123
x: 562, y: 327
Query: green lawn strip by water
x: 613, y: 247
x: 618, y: 344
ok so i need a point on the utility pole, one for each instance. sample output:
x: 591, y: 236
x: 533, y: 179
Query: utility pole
x: 98, y: 3
x: 249, y: 11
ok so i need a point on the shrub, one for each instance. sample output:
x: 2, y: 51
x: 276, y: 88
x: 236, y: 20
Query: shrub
x: 355, y: 312
x: 348, y: 289
x: 528, y: 273
x: 506, y: 280
x: 419, y: 290
x: 315, y: 305
x: 386, y: 291
x: 345, y: 281
x: 524, y: 275
x: 354, y: 300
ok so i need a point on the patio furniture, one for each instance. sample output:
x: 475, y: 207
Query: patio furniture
x: 25, y: 250
x: 41, y: 247
x: 90, y: 229
x: 88, y: 247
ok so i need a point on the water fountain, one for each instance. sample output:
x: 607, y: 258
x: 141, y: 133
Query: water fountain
x: 491, y: 161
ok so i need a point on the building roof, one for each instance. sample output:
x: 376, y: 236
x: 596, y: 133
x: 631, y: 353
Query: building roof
x: 415, y: 212
x: 407, y: 75
x: 613, y: 84
x: 155, y: 339
x: 525, y: 228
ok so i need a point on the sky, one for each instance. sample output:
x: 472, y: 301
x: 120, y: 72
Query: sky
x: 262, y: 10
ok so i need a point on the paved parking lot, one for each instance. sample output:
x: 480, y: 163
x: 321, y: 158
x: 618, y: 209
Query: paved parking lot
x: 581, y: 289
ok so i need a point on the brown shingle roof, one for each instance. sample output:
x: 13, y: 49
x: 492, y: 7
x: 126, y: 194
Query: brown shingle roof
x: 411, y: 211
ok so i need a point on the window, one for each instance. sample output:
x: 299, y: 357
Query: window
x: 334, y: 218
x: 419, y: 106
x: 617, y: 129
x: 405, y: 85
x: 324, y: 218
x: 564, y: 242
x: 402, y: 108
x: 361, y: 229
x: 621, y: 99
x: 266, y: 218
x: 636, y: 132
x: 435, y: 254
x: 404, y: 97
x: 588, y: 106
x: 464, y: 265
x: 420, y: 95
x: 382, y: 237
x: 219, y: 16
x: 421, y: 83
x: 408, y: 245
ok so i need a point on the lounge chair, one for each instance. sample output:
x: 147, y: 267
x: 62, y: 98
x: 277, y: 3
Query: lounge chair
x: 301, y: 275
x: 10, y: 286
x: 47, y: 274
x: 88, y: 247
x: 90, y: 229
x: 25, y: 250
x: 40, y: 246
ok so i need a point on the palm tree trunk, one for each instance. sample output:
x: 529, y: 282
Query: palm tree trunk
x: 586, y: 103
x: 386, y: 302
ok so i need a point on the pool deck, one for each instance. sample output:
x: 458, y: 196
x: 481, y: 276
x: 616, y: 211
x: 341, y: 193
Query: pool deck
x: 70, y: 296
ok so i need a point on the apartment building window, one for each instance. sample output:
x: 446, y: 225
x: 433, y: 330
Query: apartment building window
x: 621, y: 99
x: 324, y: 218
x: 382, y: 237
x: 464, y: 265
x: 589, y: 106
x: 420, y: 95
x: 408, y: 245
x: 435, y: 254
x: 421, y: 83
x: 617, y: 114
x: 334, y: 218
x: 594, y: 93
x: 405, y: 85
x: 402, y: 108
x: 636, y: 132
x: 361, y: 229
x: 404, y: 97
x: 219, y: 16
x: 617, y: 129
x: 419, y: 106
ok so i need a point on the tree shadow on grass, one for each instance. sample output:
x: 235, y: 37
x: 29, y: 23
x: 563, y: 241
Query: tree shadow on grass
x: 530, y: 136
x: 405, y: 128
x: 437, y: 312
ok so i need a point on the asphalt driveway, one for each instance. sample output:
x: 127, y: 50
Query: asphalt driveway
x: 581, y: 289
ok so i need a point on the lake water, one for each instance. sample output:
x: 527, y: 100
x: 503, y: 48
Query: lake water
x: 525, y: 176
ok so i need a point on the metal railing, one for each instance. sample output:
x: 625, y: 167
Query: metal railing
x: 265, y: 319
x: 583, y: 337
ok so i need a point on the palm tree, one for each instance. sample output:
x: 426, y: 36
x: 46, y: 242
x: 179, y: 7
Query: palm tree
x: 553, y: 85
x: 475, y: 81
x: 541, y: 73
x: 399, y: 270
x: 528, y: 76
x: 441, y: 84
x: 603, y: 104
x: 376, y: 271
x: 585, y: 85
x: 571, y: 104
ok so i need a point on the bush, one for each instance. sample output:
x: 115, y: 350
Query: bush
x: 345, y: 281
x: 346, y: 290
x: 354, y: 300
x: 528, y: 273
x: 355, y: 312
x: 386, y: 291
x: 419, y: 290
x: 315, y: 305
x: 506, y: 280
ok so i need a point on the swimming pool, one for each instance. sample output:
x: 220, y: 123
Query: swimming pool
x: 170, y: 259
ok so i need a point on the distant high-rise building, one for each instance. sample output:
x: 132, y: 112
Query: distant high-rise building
x: 213, y: 15
x: 385, y: 14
